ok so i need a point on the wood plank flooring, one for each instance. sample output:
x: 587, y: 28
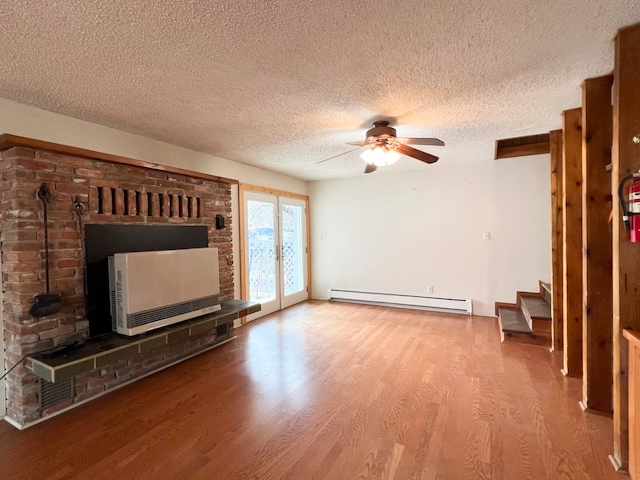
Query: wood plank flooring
x: 333, y: 391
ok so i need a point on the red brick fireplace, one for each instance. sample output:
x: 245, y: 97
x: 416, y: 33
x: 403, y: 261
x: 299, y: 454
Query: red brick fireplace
x: 113, y: 191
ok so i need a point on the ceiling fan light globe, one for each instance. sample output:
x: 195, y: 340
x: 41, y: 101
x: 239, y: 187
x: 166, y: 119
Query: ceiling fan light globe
x: 392, y: 156
x: 372, y: 156
x: 380, y: 156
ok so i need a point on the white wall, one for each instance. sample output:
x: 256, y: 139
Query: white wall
x: 26, y: 121
x: 402, y: 232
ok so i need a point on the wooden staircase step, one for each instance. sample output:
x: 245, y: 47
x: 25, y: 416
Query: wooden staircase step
x: 529, y: 320
x: 545, y: 289
x: 537, y: 307
x: 515, y: 329
x: 537, y: 312
x: 512, y: 320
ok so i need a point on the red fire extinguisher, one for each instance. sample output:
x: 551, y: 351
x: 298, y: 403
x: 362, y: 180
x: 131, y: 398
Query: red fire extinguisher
x: 631, y: 211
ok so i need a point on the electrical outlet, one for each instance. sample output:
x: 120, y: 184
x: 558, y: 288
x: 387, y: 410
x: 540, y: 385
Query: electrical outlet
x: 429, y: 289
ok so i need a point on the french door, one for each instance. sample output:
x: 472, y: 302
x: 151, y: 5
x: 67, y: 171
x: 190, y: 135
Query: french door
x: 275, y: 251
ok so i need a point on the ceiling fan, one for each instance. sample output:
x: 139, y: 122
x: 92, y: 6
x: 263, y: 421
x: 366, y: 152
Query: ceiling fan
x: 383, y: 147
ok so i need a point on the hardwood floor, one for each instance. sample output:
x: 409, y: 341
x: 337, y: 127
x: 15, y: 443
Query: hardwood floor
x: 333, y: 391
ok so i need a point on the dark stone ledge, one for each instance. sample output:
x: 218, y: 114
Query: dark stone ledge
x: 107, y: 349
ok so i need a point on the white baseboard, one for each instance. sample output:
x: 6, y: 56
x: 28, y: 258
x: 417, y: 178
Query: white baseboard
x: 452, y: 305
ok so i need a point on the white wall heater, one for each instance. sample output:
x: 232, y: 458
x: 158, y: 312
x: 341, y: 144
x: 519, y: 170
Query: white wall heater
x: 154, y: 289
x: 450, y: 305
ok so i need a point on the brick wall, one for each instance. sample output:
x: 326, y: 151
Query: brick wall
x: 112, y: 193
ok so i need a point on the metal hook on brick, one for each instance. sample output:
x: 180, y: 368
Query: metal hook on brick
x: 46, y: 303
x: 44, y: 193
x: 78, y: 206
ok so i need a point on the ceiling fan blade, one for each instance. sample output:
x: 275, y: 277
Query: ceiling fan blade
x: 370, y: 168
x: 340, y: 154
x: 367, y: 143
x: 410, y: 141
x: 422, y: 141
x: 417, y: 154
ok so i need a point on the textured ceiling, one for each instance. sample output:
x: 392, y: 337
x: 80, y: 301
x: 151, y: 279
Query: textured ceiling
x: 284, y: 84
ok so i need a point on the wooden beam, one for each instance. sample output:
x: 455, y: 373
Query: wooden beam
x: 572, y: 241
x: 273, y: 191
x: 597, y: 312
x: 8, y: 141
x: 626, y: 255
x: 557, y: 272
x: 523, y: 150
x: 522, y: 146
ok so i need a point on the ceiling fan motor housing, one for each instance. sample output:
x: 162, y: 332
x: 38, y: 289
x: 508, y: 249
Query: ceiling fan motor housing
x: 380, y: 130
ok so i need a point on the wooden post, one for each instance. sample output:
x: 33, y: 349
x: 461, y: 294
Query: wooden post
x: 626, y: 255
x: 572, y: 241
x: 597, y: 312
x: 634, y: 401
x: 557, y: 273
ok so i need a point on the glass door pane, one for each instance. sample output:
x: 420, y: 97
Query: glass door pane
x: 262, y: 258
x: 262, y: 254
x: 294, y: 251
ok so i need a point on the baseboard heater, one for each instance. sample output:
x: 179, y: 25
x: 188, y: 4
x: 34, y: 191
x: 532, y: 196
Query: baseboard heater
x: 451, y: 305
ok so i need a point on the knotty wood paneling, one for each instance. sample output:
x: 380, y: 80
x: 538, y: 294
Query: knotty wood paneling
x: 572, y: 241
x: 557, y: 272
x: 626, y: 255
x: 597, y: 313
x: 634, y: 402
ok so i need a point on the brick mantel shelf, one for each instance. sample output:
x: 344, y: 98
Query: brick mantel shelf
x: 8, y: 141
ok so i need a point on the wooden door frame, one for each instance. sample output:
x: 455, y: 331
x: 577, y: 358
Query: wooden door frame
x: 246, y: 187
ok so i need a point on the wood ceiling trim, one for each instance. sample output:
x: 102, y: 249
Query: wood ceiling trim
x: 8, y: 141
x: 523, y: 146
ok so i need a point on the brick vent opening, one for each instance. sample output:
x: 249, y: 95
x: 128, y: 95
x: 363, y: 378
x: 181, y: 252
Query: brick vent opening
x: 53, y: 394
x: 120, y: 201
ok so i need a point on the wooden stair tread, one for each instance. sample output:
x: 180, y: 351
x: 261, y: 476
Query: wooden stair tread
x: 512, y: 320
x: 545, y: 290
x: 527, y: 322
x: 537, y: 307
